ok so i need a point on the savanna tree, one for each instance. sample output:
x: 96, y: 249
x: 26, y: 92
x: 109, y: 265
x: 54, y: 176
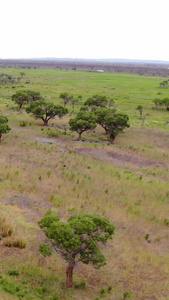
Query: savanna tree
x: 4, y: 128
x: 140, y: 109
x: 84, y: 121
x: 115, y: 124
x: 20, y: 98
x: 73, y: 102
x: 65, y: 98
x: 45, y: 111
x: 77, y: 240
x: 96, y: 101
x: 101, y: 114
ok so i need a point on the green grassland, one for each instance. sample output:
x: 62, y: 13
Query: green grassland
x: 126, y: 181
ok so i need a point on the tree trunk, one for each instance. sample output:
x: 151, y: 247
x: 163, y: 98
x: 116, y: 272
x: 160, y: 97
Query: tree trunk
x: 106, y: 131
x: 69, y: 274
x: 0, y: 137
x: 45, y: 122
x: 112, y: 138
x: 79, y: 138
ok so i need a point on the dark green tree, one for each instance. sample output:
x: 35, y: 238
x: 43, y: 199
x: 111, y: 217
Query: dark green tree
x: 73, y: 102
x: 4, y: 128
x: 78, y: 239
x: 157, y: 102
x: 140, y: 109
x: 84, y: 121
x: 45, y: 111
x: 101, y: 114
x: 65, y: 98
x: 20, y: 98
x: 115, y: 124
x: 22, y: 74
x: 96, y: 101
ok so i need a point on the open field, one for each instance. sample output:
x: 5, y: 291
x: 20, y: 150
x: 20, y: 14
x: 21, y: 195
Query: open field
x: 126, y: 181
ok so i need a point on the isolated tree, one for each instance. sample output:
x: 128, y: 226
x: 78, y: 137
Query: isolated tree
x: 77, y: 240
x: 65, y: 98
x: 84, y: 121
x: 115, y: 124
x: 22, y: 74
x: 140, y: 109
x: 157, y: 102
x: 101, y: 114
x: 4, y: 128
x: 45, y: 111
x: 20, y: 98
x: 74, y: 101
x: 110, y: 102
x: 96, y: 101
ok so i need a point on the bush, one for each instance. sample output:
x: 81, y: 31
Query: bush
x: 22, y: 123
x: 166, y: 222
x: 13, y: 272
x: 45, y: 250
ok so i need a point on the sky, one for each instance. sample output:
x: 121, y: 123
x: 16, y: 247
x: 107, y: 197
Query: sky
x: 130, y: 29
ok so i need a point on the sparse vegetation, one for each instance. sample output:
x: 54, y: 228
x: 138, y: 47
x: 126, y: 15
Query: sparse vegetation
x: 77, y: 240
x: 45, y: 168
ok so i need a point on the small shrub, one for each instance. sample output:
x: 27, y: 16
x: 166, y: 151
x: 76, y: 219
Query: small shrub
x: 45, y: 250
x: 103, y: 292
x: 166, y: 222
x: 55, y: 297
x: 127, y: 295
x: 110, y: 288
x: 146, y: 236
x: 82, y: 284
x: 13, y: 272
x: 22, y: 123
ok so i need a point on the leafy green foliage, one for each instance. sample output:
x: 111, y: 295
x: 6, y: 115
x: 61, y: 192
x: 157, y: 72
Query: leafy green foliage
x: 65, y: 98
x: 45, y: 250
x: 4, y: 128
x: 79, y: 238
x: 20, y: 98
x: 101, y: 114
x: 96, y: 101
x: 116, y: 123
x: 46, y: 110
x: 140, y: 109
x: 84, y: 121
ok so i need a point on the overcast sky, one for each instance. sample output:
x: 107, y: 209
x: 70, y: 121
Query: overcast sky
x: 133, y: 29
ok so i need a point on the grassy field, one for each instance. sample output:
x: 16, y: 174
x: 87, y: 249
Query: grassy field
x: 126, y: 181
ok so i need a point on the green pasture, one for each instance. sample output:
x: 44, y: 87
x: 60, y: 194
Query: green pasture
x: 126, y: 181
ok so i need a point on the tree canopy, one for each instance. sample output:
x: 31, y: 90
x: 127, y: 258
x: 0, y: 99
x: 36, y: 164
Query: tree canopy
x: 4, y: 128
x: 20, y: 98
x: 78, y: 239
x: 84, y: 121
x: 101, y: 114
x: 65, y: 98
x: 97, y: 101
x: 115, y: 124
x: 45, y: 111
